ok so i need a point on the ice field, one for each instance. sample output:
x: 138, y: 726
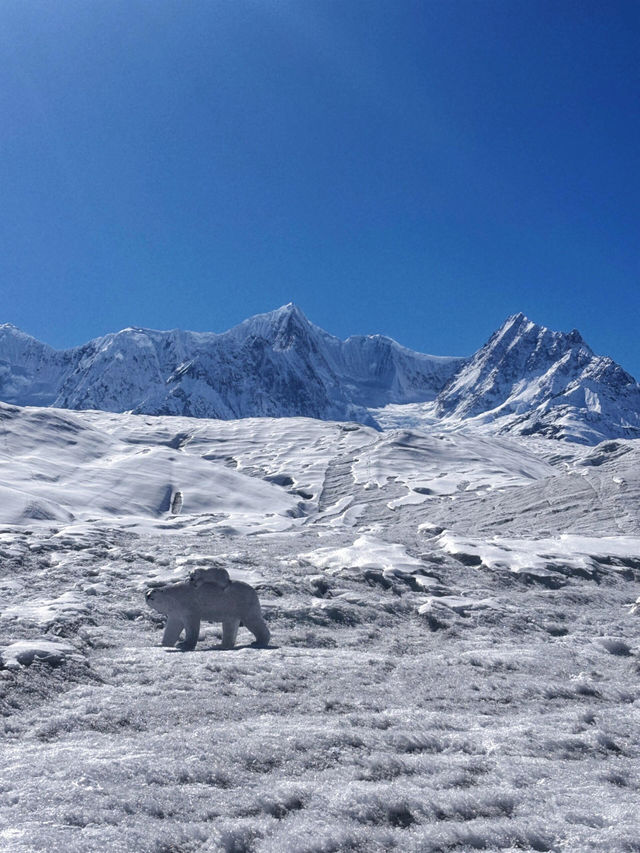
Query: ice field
x: 453, y: 665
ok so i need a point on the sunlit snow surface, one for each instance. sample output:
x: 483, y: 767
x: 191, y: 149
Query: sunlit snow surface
x: 454, y: 660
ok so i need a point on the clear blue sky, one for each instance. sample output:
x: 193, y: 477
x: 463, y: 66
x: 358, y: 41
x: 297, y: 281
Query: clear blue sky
x: 420, y: 169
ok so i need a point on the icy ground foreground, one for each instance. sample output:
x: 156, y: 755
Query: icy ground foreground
x: 454, y: 662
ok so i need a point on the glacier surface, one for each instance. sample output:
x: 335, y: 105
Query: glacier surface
x: 454, y: 662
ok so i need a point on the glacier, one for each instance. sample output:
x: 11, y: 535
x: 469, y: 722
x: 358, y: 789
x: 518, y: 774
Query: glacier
x: 446, y: 550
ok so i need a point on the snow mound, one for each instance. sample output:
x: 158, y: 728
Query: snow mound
x: 431, y: 466
x: 367, y: 552
x: 457, y: 603
x: 24, y: 652
x: 22, y: 507
x: 57, y: 467
x: 45, y: 611
x: 567, y: 553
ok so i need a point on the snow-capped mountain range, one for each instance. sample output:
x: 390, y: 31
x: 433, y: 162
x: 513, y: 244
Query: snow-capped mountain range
x: 526, y: 379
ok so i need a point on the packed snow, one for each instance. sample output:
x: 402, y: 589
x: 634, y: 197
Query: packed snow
x: 454, y: 655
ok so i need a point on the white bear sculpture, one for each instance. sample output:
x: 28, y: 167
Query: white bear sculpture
x: 187, y: 603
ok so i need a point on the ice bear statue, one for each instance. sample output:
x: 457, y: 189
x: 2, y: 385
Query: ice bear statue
x: 215, y: 598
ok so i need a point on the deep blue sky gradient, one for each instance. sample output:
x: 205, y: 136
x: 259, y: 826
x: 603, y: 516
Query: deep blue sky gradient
x: 418, y: 169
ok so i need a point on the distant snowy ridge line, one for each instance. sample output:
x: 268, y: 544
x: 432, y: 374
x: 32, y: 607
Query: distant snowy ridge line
x: 525, y: 380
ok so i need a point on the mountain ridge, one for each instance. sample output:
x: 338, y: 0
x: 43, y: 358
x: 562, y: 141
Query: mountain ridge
x: 526, y: 379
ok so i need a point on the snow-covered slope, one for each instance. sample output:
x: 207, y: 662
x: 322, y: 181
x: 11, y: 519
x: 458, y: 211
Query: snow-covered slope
x: 454, y: 660
x: 60, y: 466
x: 30, y: 371
x: 526, y: 380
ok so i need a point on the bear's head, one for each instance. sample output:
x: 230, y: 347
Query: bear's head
x: 159, y: 598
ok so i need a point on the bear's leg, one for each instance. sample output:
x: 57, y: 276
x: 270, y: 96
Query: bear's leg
x: 191, y: 632
x: 172, y: 631
x: 258, y: 628
x: 229, y: 633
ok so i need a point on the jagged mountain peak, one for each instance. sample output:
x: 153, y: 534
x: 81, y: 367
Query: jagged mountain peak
x: 290, y: 310
x: 518, y: 327
x: 8, y: 330
x: 284, y: 325
x: 283, y: 314
x: 514, y: 327
x: 515, y: 321
x: 532, y: 380
x: 291, y: 325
